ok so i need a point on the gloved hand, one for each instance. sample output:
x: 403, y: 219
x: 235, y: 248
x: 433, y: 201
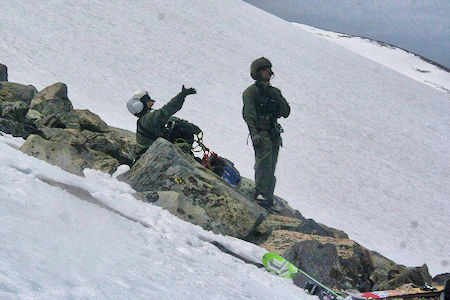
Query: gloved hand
x: 189, y: 91
x: 257, y: 140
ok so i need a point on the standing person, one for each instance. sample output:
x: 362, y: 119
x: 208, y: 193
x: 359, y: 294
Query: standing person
x: 263, y: 105
x: 152, y: 123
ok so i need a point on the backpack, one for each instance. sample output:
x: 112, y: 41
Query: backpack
x: 180, y: 131
x: 223, y: 168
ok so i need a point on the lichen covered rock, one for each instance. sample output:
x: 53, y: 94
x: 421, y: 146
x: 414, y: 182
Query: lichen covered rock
x: 15, y: 100
x: 70, y: 157
x: 51, y: 101
x: 164, y: 167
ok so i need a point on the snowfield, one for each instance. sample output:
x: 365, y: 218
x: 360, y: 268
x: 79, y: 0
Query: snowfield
x: 57, y: 246
x: 390, y: 56
x: 366, y: 149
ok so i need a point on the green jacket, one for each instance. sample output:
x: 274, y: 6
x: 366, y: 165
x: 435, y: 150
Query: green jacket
x: 263, y: 105
x: 151, y: 123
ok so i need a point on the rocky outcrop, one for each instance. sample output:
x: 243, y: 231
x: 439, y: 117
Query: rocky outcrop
x: 388, y: 275
x: 441, y: 279
x: 52, y: 108
x: 50, y: 105
x: 3, y: 73
x: 115, y: 142
x: 15, y: 101
x: 172, y: 179
x: 69, y: 138
x: 89, y: 121
x: 275, y: 223
x: 164, y: 167
x: 338, y: 262
x: 382, y: 269
x: 72, y: 157
x: 179, y: 205
x: 17, y: 128
x: 400, y: 275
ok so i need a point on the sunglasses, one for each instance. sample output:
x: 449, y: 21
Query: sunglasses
x: 146, y: 98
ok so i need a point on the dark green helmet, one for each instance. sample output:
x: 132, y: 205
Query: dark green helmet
x: 257, y: 65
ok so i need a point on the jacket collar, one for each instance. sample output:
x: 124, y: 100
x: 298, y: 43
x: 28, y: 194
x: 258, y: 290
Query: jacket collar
x: 262, y: 84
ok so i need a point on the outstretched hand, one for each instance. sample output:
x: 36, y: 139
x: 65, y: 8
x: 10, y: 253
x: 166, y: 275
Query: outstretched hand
x: 188, y: 91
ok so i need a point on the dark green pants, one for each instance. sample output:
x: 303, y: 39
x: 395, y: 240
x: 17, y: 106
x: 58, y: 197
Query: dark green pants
x: 266, y: 156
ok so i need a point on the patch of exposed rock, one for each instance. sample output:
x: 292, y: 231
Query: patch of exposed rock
x: 73, y: 157
x: 208, y: 200
x: 14, y: 104
x: 70, y: 138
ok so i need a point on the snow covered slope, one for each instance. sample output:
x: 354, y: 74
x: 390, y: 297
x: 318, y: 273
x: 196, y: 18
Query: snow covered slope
x: 366, y: 148
x: 397, y: 59
x: 57, y: 246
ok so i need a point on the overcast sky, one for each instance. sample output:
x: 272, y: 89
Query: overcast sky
x: 420, y: 26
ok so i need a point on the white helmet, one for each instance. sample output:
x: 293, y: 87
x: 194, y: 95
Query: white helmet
x: 134, y: 104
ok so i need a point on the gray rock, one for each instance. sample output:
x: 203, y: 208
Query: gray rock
x: 118, y: 143
x: 382, y: 267
x: 310, y: 226
x: 126, y: 141
x: 56, y: 119
x: 441, y: 278
x: 70, y: 120
x: 401, y: 275
x: 16, y: 128
x: 90, y: 121
x: 341, y: 265
x: 70, y: 157
x: 276, y: 223
x: 320, y: 261
x: 164, y: 167
x: 15, y: 100
x: 178, y: 205
x: 3, y: 73
x: 50, y: 101
x: 56, y: 91
x: 50, y: 121
x: 52, y: 108
x: 62, y: 135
